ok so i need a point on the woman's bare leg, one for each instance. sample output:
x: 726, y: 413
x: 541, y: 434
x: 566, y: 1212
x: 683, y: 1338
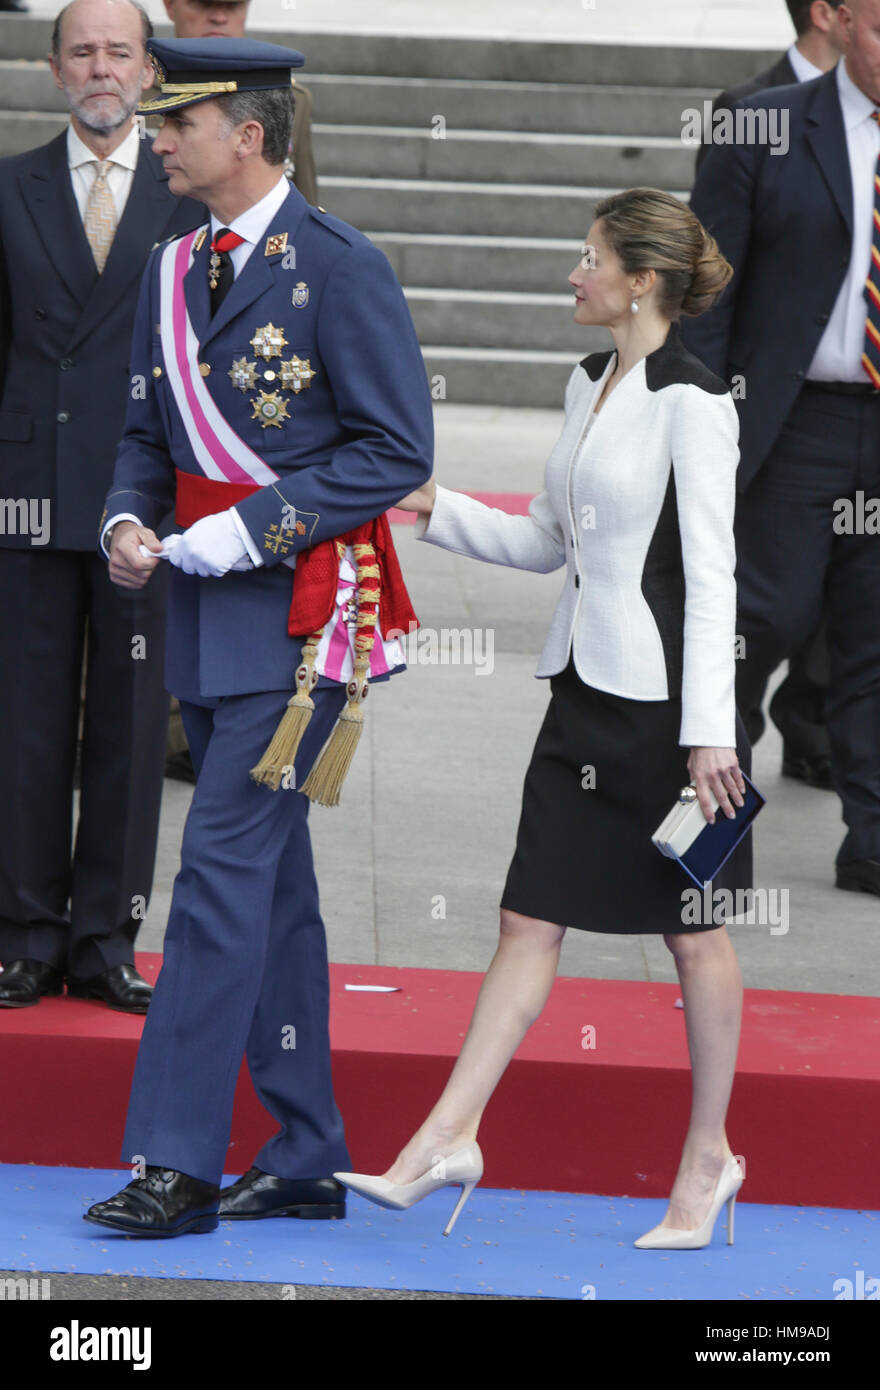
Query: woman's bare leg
x: 711, y: 990
x: 512, y: 996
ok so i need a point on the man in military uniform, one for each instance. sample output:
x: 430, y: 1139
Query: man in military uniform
x: 284, y: 404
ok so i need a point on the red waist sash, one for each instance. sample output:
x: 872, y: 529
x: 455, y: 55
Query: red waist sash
x: 316, y: 577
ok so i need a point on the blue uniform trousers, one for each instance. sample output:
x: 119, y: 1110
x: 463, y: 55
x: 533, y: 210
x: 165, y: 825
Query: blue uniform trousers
x: 245, y: 962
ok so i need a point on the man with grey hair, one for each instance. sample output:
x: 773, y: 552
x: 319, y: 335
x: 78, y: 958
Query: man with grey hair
x: 78, y: 218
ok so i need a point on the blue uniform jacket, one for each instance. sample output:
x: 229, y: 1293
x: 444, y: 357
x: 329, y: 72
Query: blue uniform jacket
x: 359, y: 436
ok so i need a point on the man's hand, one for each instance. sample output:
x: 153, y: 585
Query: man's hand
x: 128, y: 568
x: 211, y: 547
x: 422, y: 500
x: 717, y: 770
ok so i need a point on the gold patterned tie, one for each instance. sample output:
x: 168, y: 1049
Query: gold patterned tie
x: 100, y: 218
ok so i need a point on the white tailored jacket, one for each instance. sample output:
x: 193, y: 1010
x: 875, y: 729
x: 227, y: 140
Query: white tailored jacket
x: 639, y: 509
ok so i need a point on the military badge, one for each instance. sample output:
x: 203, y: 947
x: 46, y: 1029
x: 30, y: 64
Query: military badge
x: 296, y: 374
x: 200, y: 239
x: 243, y: 374
x: 300, y: 295
x: 276, y: 244
x: 269, y: 409
x: 268, y: 341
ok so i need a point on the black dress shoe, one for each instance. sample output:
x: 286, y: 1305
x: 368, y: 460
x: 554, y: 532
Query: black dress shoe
x: 121, y: 987
x: 162, y: 1203
x: 23, y: 982
x: 815, y: 771
x: 859, y: 876
x: 257, y: 1194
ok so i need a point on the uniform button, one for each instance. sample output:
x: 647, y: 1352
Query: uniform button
x: 157, y: 372
x: 65, y: 364
x: 62, y: 417
x: 205, y: 368
x: 39, y: 313
x: 823, y: 318
x: 844, y: 260
x: 799, y: 376
x: 269, y: 376
x: 577, y: 581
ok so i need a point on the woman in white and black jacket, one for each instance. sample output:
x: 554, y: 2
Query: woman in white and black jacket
x: 638, y: 505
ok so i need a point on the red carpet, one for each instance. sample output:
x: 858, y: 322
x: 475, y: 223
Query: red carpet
x: 606, y: 1119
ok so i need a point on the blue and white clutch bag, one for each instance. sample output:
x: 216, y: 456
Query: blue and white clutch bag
x: 700, y: 848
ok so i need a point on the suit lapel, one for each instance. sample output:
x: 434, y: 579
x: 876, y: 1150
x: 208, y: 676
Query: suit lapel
x: 48, y: 196
x: 256, y: 277
x: 826, y: 137
x: 147, y: 210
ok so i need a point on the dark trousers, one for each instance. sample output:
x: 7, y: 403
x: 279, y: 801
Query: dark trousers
x: 245, y: 962
x: 794, y: 559
x: 798, y: 704
x: 78, y: 906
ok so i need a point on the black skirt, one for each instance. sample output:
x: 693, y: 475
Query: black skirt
x: 584, y: 856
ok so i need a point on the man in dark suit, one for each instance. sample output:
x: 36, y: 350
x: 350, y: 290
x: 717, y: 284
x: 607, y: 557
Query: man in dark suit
x: 795, y: 327
x: 78, y: 218
x: 798, y: 705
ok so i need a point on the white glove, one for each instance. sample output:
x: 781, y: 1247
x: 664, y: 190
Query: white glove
x: 209, y: 547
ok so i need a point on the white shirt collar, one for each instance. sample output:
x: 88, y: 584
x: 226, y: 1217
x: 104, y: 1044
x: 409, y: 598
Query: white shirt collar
x: 855, y: 106
x: 126, y: 153
x: 252, y: 223
x: 804, y: 70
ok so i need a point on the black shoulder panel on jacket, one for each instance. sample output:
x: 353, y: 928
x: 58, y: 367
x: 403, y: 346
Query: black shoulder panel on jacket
x: 671, y: 363
x: 595, y: 363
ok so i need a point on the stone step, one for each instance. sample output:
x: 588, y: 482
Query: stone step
x: 502, y: 157
x: 482, y: 59
x: 465, y: 209
x: 410, y: 101
x: 529, y: 264
x: 495, y: 376
x: 572, y: 108
x: 499, y: 319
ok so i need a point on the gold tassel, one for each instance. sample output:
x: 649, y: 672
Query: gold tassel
x: 324, y: 782
x: 283, y: 748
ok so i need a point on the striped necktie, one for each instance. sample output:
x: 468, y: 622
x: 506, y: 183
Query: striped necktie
x: 871, y: 353
x: 100, y: 218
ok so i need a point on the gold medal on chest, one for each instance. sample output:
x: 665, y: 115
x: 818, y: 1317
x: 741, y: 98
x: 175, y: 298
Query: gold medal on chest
x: 269, y: 408
x: 268, y: 341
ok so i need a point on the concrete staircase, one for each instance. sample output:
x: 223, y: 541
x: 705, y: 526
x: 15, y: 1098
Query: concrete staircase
x: 476, y: 167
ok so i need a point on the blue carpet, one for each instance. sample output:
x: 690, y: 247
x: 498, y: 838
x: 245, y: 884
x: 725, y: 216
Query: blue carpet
x: 536, y: 1244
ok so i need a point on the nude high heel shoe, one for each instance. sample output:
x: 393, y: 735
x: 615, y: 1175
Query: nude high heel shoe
x: 464, y: 1167
x: 730, y: 1181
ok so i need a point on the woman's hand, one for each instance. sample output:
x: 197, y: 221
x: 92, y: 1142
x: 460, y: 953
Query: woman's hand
x: 422, y: 500
x: 717, y: 770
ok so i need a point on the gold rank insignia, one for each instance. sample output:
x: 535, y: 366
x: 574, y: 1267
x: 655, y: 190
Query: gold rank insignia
x: 276, y: 244
x: 296, y: 374
x: 278, y: 539
x: 268, y: 341
x: 269, y: 409
x: 200, y: 239
x: 243, y: 374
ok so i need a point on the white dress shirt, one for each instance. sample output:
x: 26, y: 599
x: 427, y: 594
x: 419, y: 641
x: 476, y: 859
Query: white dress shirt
x: 839, y: 354
x: 804, y: 70
x: 120, y: 175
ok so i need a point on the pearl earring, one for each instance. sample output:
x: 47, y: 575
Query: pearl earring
x: 635, y: 306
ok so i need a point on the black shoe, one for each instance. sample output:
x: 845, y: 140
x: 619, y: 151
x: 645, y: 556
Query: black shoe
x: 24, y: 982
x: 179, y: 767
x: 260, y: 1194
x: 859, y: 876
x: 121, y: 987
x: 815, y: 771
x: 163, y: 1203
